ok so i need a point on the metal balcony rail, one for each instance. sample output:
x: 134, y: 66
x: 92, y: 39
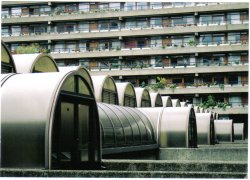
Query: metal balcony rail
x: 140, y: 66
x: 108, y: 9
x: 143, y: 46
x: 230, y: 104
x: 121, y: 28
x: 204, y: 84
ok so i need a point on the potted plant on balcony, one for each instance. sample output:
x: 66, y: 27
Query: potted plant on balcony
x: 191, y: 42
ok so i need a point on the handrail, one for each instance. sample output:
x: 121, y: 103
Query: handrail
x: 118, y: 8
x: 120, y: 27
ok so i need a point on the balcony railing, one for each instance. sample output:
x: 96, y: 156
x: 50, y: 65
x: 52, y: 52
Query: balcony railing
x: 146, y: 47
x: 140, y: 66
x: 231, y: 104
x: 110, y: 9
x: 121, y: 28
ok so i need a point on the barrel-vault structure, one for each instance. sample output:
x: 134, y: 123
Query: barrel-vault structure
x: 142, y: 97
x: 156, y: 100
x: 49, y: 121
x: 224, y: 130
x: 7, y: 62
x: 126, y: 94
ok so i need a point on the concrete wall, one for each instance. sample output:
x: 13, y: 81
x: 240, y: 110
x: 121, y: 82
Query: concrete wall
x: 232, y: 110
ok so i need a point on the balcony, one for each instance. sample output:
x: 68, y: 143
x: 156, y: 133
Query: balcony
x: 120, y: 12
x: 232, y: 110
x: 83, y: 52
x: 161, y: 69
x: 204, y: 88
x: 128, y: 31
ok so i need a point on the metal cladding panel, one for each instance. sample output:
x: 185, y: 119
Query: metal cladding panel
x: 141, y: 93
x: 184, y: 104
x: 5, y: 53
x: 82, y: 70
x: 154, y: 115
x: 102, y: 82
x: 176, y: 103
x: 238, y: 131
x: 155, y: 99
x: 203, y: 121
x: 123, y: 89
x: 127, y: 126
x: 28, y: 102
x: 4, y: 77
x: 196, y: 109
x: 223, y: 130
x: 166, y: 101
x: 25, y: 63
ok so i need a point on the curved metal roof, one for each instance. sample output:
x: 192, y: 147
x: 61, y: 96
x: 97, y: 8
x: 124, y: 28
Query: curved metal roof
x: 124, y: 129
x: 224, y: 130
x: 30, y: 63
x: 238, y: 131
x: 7, y: 60
x: 102, y: 83
x: 173, y: 126
x: 205, y: 128
x: 142, y: 95
x: 167, y: 101
x: 27, y: 133
x: 176, y: 103
x: 81, y: 69
x: 156, y: 100
x: 126, y: 89
x: 184, y: 104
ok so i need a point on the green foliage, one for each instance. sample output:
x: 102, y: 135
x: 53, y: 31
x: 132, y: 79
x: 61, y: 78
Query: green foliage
x: 191, y: 43
x: 221, y: 86
x: 143, y: 84
x: 33, y: 48
x: 211, y: 103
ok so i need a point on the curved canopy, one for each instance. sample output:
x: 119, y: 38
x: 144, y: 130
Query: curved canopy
x: 105, y: 89
x: 34, y: 63
x: 4, y: 77
x: 175, y: 127
x: 156, y: 100
x: 196, y: 109
x: 205, y: 128
x: 84, y: 72
x: 41, y: 113
x: 125, y: 129
x: 202, y: 110
x: 142, y: 97
x: 126, y: 94
x: 184, y: 104
x: 238, y: 131
x: 224, y: 130
x: 167, y: 101
x: 7, y: 62
x: 176, y: 103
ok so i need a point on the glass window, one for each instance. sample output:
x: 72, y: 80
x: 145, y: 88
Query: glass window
x: 114, y: 6
x: 83, y: 27
x: 233, y: 18
x: 141, y: 23
x: 217, y: 19
x: 16, y: 11
x: 130, y: 24
x: 129, y: 6
x: 234, y: 58
x: 113, y: 25
x: 15, y: 30
x: 5, y: 12
x: 60, y: 28
x: 45, y: 10
x: 218, y: 38
x: 103, y: 6
x: 5, y: 31
x: 156, y: 5
x: 103, y: 25
x: 233, y: 37
x: 59, y: 47
x: 156, y: 22
x: 84, y: 7
x: 177, y: 21
x: 206, y: 19
x: 188, y: 20
x: 70, y: 27
x: 205, y: 39
x: 70, y: 8
x: 142, y: 5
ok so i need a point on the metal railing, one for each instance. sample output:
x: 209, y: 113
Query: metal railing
x: 230, y: 104
x: 58, y: 11
x: 117, y: 28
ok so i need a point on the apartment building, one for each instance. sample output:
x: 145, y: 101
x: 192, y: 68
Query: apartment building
x: 199, y: 48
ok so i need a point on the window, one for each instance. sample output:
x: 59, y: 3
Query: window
x: 83, y: 27
x: 205, y: 19
x: 129, y: 6
x: 233, y: 37
x: 142, y: 5
x: 233, y: 18
x: 60, y: 28
x: 70, y: 27
x: 217, y: 19
x: 156, y: 42
x: 34, y: 10
x: 114, y: 6
x: 5, y: 31
x: 155, y: 5
x: 84, y: 7
x: 103, y: 6
x: 16, y: 11
x: 234, y: 58
x: 58, y: 47
x: 15, y: 30
x: 130, y: 24
x: 142, y: 23
x: 5, y: 12
x: 45, y: 10
x: 103, y: 25
x: 113, y: 25
x: 70, y: 8
x: 156, y: 22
